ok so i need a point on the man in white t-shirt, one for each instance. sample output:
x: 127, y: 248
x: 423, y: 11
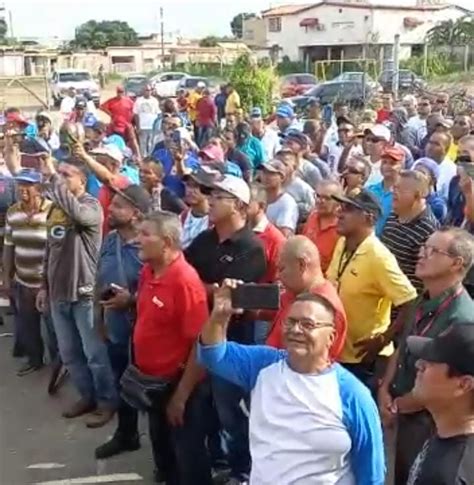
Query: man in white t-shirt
x: 146, y: 109
x: 67, y: 104
x: 376, y: 139
x: 282, y: 209
x: 268, y: 136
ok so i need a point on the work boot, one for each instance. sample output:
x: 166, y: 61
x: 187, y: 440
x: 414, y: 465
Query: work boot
x: 79, y: 408
x: 99, y: 417
x: 118, y: 444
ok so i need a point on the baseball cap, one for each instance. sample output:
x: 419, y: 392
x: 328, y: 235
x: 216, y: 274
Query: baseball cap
x: 380, y: 131
x: 256, y: 112
x: 201, y: 84
x: 364, y: 201
x: 445, y: 123
x: 205, y: 175
x: 395, y: 153
x: 29, y: 175
x: 81, y: 103
x: 137, y: 196
x: 15, y: 117
x: 275, y: 166
x: 455, y: 347
x: 298, y: 137
x: 234, y: 186
x: 213, y: 152
x: 430, y: 165
x: 110, y: 151
x: 285, y: 110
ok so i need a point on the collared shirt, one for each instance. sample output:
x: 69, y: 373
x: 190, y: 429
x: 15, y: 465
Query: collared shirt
x: 240, y: 257
x: 171, y: 311
x: 326, y: 290
x: 369, y: 283
x: 28, y: 234
x: 447, y: 171
x: 272, y: 240
x: 232, y: 103
x: 404, y: 239
x: 375, y: 176
x: 325, y: 238
x: 119, y: 108
x: 385, y: 198
x: 459, y: 311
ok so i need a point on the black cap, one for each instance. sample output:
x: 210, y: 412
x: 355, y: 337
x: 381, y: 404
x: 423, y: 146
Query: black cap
x: 298, y: 137
x: 205, y: 175
x: 455, y: 347
x: 364, y: 200
x: 136, y: 196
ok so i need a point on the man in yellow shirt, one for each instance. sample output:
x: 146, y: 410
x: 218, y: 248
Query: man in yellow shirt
x: 193, y: 98
x: 369, y: 282
x: 462, y: 126
x: 232, y: 105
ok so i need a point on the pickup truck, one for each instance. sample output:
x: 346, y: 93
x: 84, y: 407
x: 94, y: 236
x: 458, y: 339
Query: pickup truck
x: 81, y: 79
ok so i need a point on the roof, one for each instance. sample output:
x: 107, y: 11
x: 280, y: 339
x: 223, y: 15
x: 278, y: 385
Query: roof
x: 295, y: 9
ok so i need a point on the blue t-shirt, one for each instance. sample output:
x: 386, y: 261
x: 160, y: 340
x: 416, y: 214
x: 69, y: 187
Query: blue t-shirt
x: 385, y: 199
x: 94, y: 184
x: 304, y: 428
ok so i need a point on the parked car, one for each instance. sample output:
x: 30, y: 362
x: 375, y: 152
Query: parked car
x: 407, y: 80
x: 296, y: 84
x: 166, y: 83
x: 358, y: 76
x: 349, y: 92
x: 80, y: 79
x: 189, y: 83
x: 135, y: 84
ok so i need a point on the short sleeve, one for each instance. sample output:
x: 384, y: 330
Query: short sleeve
x: 288, y: 215
x: 193, y: 309
x: 331, y: 272
x: 391, y: 280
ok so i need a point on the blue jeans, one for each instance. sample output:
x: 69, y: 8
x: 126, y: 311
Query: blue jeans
x: 83, y: 352
x: 204, y: 134
x: 228, y: 400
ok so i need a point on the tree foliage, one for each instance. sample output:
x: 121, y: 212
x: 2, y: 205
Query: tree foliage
x: 236, y: 24
x: 3, y: 29
x: 209, y: 41
x: 99, y: 35
x: 254, y: 83
x: 452, y: 32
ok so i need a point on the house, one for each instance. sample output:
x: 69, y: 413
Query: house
x: 352, y: 29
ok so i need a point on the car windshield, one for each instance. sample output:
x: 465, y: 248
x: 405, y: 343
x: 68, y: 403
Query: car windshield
x: 305, y: 79
x: 135, y: 81
x: 74, y: 77
x: 192, y: 83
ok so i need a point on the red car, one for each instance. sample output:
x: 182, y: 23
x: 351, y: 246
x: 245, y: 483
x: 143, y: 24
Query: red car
x: 296, y: 84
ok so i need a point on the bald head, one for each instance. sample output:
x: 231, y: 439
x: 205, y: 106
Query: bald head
x: 300, y: 247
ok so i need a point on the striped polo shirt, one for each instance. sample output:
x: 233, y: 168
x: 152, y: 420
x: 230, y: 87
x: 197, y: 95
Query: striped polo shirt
x: 28, y: 235
x: 404, y: 240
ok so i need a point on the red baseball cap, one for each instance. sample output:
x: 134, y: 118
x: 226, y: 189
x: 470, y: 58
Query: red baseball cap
x: 15, y: 117
x: 395, y: 153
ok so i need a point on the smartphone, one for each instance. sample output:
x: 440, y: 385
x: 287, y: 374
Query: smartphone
x: 327, y: 114
x: 468, y: 168
x: 176, y: 138
x: 256, y: 297
x: 32, y: 160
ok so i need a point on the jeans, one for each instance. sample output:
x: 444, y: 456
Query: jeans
x: 204, y: 134
x: 145, y: 140
x: 50, y: 336
x: 180, y: 453
x: 83, y: 352
x: 229, y: 400
x: 28, y: 321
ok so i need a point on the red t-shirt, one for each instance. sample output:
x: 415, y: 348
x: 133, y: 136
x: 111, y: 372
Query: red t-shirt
x: 119, y: 108
x: 326, y: 290
x: 206, y: 112
x: 105, y: 198
x: 383, y: 115
x: 272, y: 240
x: 171, y: 311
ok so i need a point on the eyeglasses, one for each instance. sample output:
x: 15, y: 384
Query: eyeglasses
x: 305, y: 324
x: 353, y: 171
x: 427, y: 251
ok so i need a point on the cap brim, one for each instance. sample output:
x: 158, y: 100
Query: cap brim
x: 421, y: 348
x: 200, y: 179
x: 347, y: 200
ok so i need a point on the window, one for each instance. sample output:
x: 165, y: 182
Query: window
x: 274, y: 24
x: 343, y: 25
x: 74, y: 77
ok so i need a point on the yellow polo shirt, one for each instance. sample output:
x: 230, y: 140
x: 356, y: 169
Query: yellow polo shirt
x: 232, y: 105
x: 370, y: 284
x: 453, y: 151
x: 193, y: 99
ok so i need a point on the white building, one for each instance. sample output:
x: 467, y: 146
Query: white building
x: 331, y: 29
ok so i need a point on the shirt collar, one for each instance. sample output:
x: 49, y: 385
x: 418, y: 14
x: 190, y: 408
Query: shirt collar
x: 175, y: 268
x: 261, y: 226
x: 240, y: 235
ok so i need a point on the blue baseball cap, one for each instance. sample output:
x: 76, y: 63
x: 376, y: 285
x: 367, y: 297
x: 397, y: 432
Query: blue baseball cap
x: 285, y: 111
x: 90, y: 120
x: 256, y: 112
x: 30, y: 176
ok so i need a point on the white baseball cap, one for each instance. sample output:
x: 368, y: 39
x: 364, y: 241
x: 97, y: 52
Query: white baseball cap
x: 235, y: 186
x: 380, y: 131
x: 111, y: 151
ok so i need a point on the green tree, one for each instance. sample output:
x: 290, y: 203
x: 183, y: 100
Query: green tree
x: 99, y: 35
x: 209, y: 41
x: 3, y: 29
x: 254, y: 83
x: 452, y: 32
x: 236, y: 24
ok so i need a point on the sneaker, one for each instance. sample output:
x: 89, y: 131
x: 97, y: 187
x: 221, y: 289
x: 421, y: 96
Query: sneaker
x: 118, y: 444
x: 28, y: 369
x: 79, y: 408
x: 99, y: 417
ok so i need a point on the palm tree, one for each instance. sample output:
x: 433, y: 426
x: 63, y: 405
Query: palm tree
x: 452, y: 32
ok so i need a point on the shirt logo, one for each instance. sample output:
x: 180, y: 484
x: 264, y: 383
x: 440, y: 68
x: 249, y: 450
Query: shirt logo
x: 58, y: 232
x: 157, y: 302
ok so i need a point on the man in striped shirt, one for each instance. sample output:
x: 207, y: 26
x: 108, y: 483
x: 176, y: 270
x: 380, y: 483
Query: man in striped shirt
x: 410, y: 224
x: 24, y: 248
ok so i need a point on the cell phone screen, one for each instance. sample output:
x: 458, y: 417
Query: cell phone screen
x: 29, y: 160
x: 256, y: 297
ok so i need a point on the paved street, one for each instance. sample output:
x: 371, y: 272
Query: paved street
x: 38, y: 446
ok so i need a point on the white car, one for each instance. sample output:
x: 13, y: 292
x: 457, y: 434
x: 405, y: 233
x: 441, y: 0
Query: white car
x: 80, y: 79
x: 165, y: 83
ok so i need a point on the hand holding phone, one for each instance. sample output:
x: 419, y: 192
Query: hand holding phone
x: 251, y: 296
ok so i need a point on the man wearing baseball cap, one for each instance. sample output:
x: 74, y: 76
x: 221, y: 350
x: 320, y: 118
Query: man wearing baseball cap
x: 230, y: 250
x: 285, y: 118
x: 445, y: 385
x: 268, y: 136
x: 376, y: 139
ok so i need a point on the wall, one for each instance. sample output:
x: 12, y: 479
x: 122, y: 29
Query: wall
x: 11, y: 65
x: 254, y: 32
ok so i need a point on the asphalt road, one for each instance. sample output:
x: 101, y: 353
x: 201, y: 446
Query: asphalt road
x: 38, y: 446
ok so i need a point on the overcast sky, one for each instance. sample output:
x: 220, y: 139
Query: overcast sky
x: 191, y: 18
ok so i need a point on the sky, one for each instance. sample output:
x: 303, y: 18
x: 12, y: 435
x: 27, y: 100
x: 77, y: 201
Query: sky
x: 189, y: 18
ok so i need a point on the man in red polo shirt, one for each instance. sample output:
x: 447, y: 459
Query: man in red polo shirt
x: 119, y: 107
x: 300, y: 272
x: 171, y: 310
x: 206, y: 112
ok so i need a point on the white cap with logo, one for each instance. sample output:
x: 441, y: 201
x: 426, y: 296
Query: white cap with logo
x: 235, y: 186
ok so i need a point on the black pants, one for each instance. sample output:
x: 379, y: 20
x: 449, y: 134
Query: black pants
x: 369, y: 373
x: 180, y: 453
x: 29, y: 324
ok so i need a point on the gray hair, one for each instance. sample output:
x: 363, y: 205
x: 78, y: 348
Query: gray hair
x: 167, y: 225
x: 461, y: 246
x: 317, y: 298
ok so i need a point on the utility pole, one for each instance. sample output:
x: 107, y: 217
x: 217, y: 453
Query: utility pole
x: 162, y: 32
x: 396, y: 66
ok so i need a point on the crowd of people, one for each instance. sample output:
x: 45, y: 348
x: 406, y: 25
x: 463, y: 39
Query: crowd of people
x: 125, y: 241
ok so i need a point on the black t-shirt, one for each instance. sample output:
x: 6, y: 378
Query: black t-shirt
x: 445, y: 461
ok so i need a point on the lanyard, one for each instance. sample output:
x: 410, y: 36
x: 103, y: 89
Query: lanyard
x: 344, y: 261
x: 441, y: 308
